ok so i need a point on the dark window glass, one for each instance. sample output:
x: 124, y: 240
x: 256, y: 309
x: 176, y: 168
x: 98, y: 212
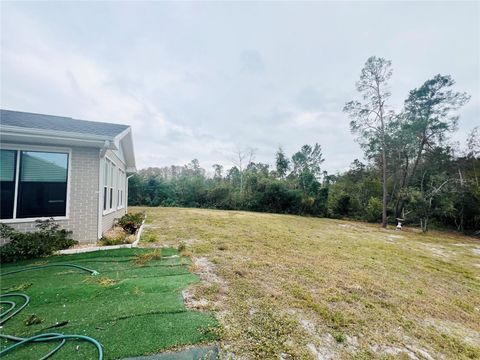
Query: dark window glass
x: 111, y: 198
x: 42, y: 187
x: 8, y: 160
x: 105, y: 198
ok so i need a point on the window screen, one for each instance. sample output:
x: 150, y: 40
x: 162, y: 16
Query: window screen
x: 7, y: 182
x: 42, y: 187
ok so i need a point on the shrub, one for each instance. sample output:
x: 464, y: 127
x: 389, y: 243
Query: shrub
x: 43, y: 242
x: 115, y: 236
x: 131, y: 222
x: 373, y: 211
x: 340, y: 204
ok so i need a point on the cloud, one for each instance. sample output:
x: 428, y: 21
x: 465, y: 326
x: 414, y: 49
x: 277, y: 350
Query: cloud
x: 90, y: 91
x: 197, y: 80
x: 251, y: 61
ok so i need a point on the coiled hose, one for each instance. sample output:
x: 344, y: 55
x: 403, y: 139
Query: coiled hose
x: 13, y: 310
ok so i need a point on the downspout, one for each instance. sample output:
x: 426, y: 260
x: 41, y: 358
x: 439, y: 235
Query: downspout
x: 126, y: 194
x: 101, y: 155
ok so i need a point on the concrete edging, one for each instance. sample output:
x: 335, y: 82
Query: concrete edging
x: 109, y: 247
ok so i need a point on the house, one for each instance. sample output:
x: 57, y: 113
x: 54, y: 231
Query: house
x: 73, y: 170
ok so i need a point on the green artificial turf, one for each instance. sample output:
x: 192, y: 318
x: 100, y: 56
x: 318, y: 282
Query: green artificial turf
x: 131, y: 309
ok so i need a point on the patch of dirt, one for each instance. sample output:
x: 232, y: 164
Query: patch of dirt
x: 462, y: 245
x: 394, y: 238
x: 325, y: 347
x: 438, y: 251
x: 393, y: 351
x: 476, y: 251
x: 206, y: 271
x: 192, y: 302
x: 326, y: 351
x: 456, y: 330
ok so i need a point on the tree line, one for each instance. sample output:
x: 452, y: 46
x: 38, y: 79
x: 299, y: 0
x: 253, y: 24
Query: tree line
x: 412, y: 171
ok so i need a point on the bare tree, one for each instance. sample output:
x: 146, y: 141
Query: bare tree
x: 241, y: 159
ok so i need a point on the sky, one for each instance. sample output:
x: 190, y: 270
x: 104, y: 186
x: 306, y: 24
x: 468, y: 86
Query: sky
x: 205, y: 79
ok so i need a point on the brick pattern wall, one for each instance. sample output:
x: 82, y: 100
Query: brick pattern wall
x: 83, y: 216
x: 109, y: 219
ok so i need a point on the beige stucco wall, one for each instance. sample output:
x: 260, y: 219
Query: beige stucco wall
x: 83, y: 197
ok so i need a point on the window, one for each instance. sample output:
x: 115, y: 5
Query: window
x: 120, y: 188
x: 33, y: 184
x: 110, y: 184
x: 8, y: 159
x: 105, y: 185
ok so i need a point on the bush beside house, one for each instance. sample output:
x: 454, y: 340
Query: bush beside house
x: 43, y: 242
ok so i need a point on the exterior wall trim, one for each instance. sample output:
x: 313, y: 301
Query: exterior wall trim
x: 100, y: 194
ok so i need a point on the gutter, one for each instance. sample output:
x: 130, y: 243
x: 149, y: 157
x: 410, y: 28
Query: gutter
x: 57, y: 135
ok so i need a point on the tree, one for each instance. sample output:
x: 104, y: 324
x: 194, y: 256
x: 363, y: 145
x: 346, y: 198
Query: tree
x: 243, y: 157
x: 428, y: 117
x: 282, y: 163
x: 370, y: 116
x: 430, y: 113
x: 473, y: 142
x: 218, y: 171
x: 308, y: 159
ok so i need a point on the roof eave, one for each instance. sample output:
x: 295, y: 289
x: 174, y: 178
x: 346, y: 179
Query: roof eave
x: 125, y: 139
x: 15, y: 133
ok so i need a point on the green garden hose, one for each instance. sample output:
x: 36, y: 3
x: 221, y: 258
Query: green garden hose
x: 93, y: 272
x: 12, y: 310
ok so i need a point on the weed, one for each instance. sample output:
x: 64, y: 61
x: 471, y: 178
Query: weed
x: 102, y: 281
x: 144, y: 258
x: 241, y: 272
x: 364, y: 354
x: 222, y: 247
x: 137, y: 291
x: 33, y: 319
x: 149, y: 237
x: 182, y: 246
x: 21, y: 287
x: 207, y: 290
x: 339, y: 336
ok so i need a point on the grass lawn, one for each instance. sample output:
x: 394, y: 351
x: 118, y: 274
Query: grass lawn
x: 131, y: 308
x: 322, y: 288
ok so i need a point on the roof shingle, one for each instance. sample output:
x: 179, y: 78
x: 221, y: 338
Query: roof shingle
x: 59, y: 123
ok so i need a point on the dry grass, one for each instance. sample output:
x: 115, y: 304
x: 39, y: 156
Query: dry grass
x: 102, y: 281
x: 143, y: 259
x: 297, y: 287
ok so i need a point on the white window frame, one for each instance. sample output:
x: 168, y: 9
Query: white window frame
x: 111, y: 188
x: 18, y: 149
x: 114, y: 181
x: 121, y: 189
x: 106, y: 171
x: 108, y: 183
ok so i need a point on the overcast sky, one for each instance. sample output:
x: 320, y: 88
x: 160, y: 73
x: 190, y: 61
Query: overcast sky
x: 198, y: 80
